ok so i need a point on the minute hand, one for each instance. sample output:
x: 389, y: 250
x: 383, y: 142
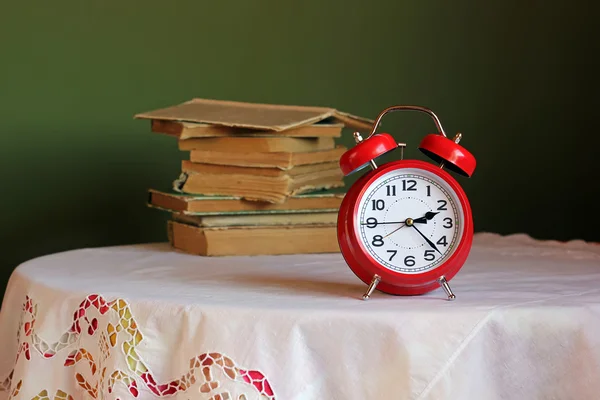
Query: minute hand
x: 427, y: 239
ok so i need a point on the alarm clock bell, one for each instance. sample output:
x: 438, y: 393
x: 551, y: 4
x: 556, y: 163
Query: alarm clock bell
x: 444, y: 151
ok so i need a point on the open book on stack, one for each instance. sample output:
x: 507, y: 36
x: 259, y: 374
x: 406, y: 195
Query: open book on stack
x: 259, y: 178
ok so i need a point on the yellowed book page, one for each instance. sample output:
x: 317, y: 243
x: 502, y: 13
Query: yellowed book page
x: 261, y: 188
x: 201, y: 168
x: 306, y: 182
x: 282, y: 160
x: 257, y: 144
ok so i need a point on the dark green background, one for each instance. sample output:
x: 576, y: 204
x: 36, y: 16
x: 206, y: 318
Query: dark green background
x: 515, y: 77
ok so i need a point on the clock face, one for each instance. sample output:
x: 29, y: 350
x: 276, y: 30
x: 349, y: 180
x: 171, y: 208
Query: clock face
x: 410, y: 220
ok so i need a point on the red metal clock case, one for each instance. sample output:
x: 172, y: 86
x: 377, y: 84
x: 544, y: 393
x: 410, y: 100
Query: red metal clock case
x: 365, y: 266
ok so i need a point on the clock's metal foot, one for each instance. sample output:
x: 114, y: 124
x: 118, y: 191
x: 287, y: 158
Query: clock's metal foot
x: 442, y: 280
x: 374, y: 282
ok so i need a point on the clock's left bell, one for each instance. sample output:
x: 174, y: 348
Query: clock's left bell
x: 366, y: 151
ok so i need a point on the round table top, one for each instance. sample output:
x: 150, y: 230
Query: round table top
x: 295, y: 327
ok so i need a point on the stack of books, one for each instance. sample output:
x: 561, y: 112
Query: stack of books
x: 258, y: 178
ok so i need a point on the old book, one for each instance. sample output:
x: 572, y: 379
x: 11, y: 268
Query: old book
x: 201, y: 168
x: 282, y: 160
x: 268, y: 117
x: 318, y: 218
x: 188, y: 130
x: 257, y: 144
x: 262, y: 188
x: 189, y: 204
x: 256, y: 240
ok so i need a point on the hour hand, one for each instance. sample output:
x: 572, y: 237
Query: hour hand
x: 423, y: 220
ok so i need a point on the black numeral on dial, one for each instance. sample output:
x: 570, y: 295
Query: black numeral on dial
x: 377, y: 241
x: 429, y: 255
x: 409, y: 185
x: 393, y: 254
x: 390, y: 190
x: 371, y: 222
x: 409, y: 261
x: 442, y: 241
x: 378, y: 205
x: 447, y: 222
x: 443, y: 205
x: 428, y: 191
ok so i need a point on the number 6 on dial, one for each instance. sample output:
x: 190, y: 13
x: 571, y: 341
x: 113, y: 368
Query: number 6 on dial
x: 405, y: 227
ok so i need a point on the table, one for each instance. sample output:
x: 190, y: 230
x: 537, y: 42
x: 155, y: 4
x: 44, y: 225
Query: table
x: 145, y: 321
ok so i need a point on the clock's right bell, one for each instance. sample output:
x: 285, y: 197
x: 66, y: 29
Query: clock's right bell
x: 444, y: 150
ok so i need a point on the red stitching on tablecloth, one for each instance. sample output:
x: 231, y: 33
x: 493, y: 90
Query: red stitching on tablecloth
x: 204, y: 363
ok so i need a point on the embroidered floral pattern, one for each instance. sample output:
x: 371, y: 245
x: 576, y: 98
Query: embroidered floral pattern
x: 200, y: 367
x: 16, y: 389
x: 5, y: 386
x: 59, y: 395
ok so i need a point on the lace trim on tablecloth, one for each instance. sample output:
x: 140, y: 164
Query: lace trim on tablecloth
x: 200, y: 367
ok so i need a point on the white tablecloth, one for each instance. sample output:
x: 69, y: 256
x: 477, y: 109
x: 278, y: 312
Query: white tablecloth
x: 146, y: 321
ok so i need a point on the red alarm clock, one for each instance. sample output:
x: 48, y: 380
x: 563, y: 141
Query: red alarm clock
x: 405, y: 227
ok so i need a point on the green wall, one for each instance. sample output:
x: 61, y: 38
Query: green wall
x: 514, y: 77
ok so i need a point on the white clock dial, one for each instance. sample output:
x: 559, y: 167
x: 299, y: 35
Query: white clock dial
x: 410, y: 220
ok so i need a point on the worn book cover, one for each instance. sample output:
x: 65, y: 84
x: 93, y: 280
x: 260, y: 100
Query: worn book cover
x: 190, y: 204
x: 278, y: 219
x: 268, y: 117
x: 253, y: 240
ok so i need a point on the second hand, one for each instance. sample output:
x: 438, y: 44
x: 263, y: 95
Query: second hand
x: 395, y: 230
